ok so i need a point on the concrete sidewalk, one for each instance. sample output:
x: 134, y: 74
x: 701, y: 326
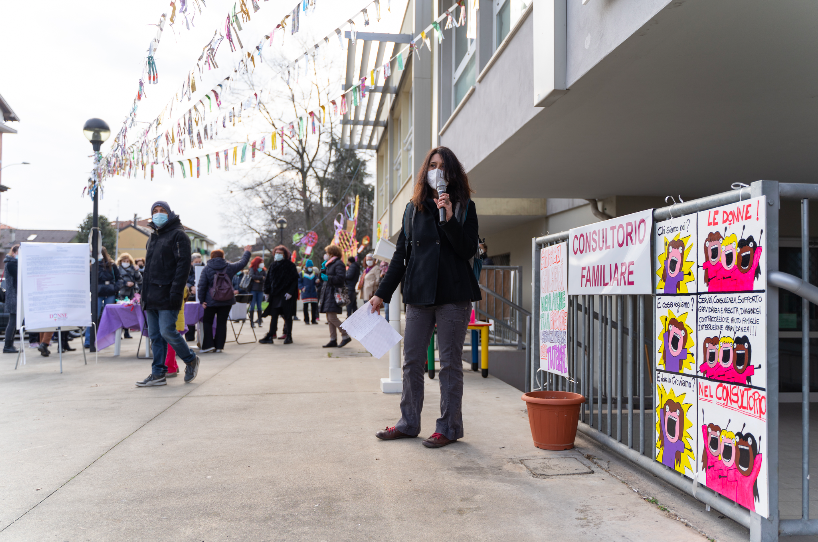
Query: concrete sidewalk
x: 277, y: 443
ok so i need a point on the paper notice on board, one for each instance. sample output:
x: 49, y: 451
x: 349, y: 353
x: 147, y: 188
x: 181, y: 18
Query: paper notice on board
x: 371, y: 330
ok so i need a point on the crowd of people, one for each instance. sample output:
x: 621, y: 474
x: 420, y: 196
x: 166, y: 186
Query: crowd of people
x: 432, y: 264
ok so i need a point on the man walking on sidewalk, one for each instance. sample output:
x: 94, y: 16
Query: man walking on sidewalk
x: 167, y: 264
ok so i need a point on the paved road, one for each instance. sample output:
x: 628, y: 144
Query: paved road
x: 277, y: 443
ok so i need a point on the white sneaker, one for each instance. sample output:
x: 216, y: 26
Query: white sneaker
x: 218, y: 351
x: 208, y: 350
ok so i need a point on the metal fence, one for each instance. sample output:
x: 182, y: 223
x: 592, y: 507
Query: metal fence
x: 502, y: 289
x: 609, y: 359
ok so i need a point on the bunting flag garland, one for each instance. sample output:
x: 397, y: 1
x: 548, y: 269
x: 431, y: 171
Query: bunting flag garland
x: 197, y: 167
x: 208, y: 163
x: 253, y: 153
x: 243, y: 153
x: 146, y: 153
x: 438, y: 32
x: 226, y: 161
x: 235, y: 154
x: 182, y: 167
x: 190, y: 163
x: 218, y: 160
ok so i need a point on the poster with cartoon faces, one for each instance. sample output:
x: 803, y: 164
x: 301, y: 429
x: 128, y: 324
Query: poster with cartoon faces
x: 676, y: 263
x: 732, y: 449
x: 732, y: 338
x: 676, y: 334
x: 731, y: 240
x: 675, y: 418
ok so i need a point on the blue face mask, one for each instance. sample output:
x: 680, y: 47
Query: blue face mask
x: 160, y: 219
x: 278, y: 257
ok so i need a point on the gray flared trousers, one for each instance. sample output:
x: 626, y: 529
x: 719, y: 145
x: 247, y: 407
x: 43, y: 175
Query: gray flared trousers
x: 452, y: 321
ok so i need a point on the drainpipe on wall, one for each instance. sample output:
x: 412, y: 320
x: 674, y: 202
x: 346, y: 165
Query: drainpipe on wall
x: 596, y: 212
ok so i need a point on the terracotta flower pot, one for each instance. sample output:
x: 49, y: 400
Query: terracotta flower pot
x: 553, y: 416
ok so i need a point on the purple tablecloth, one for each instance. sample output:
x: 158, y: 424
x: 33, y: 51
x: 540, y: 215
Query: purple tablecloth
x: 193, y: 313
x: 116, y: 317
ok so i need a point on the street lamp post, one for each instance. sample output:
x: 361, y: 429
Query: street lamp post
x: 97, y: 131
x: 282, y: 225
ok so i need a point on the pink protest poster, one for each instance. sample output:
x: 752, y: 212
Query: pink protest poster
x: 554, y: 309
x: 732, y: 247
x: 732, y: 443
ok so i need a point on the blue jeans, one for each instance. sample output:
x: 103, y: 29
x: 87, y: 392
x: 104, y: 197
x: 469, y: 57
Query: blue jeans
x: 258, y: 298
x: 101, y: 302
x: 162, y: 331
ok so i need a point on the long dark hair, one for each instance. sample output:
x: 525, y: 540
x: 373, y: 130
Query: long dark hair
x: 458, y: 188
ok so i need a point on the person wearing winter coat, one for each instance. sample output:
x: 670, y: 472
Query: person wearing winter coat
x: 129, y: 275
x: 353, y: 273
x: 195, y: 261
x: 108, y: 285
x: 257, y: 278
x: 370, y: 278
x: 439, y: 285
x: 309, y: 292
x: 11, y: 299
x: 167, y: 264
x: 281, y: 287
x: 131, y: 279
x: 333, y: 277
x: 213, y: 308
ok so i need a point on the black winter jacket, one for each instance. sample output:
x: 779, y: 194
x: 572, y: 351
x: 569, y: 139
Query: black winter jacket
x: 336, y: 278
x: 353, y: 274
x: 167, y: 264
x: 130, y: 274
x: 282, y: 279
x: 436, y: 271
x: 111, y: 276
x: 11, y: 284
x: 218, y: 265
x: 258, y: 278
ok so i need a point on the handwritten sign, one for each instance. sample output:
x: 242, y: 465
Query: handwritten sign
x: 732, y: 244
x: 711, y: 366
x: 611, y: 257
x: 554, y: 309
x: 677, y: 250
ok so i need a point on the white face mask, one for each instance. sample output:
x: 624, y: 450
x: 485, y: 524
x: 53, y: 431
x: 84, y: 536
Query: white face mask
x: 326, y: 257
x: 435, y: 177
x: 125, y: 265
x: 370, y: 263
x: 278, y: 257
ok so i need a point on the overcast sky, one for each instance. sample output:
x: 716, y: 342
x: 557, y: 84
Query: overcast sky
x: 65, y: 62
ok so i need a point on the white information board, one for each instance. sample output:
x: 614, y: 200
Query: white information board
x: 611, y: 257
x: 53, y: 285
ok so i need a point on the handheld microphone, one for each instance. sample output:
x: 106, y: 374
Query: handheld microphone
x: 441, y: 189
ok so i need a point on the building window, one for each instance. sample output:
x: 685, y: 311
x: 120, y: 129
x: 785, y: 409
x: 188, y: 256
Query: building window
x: 506, y: 15
x: 502, y: 21
x: 465, y: 64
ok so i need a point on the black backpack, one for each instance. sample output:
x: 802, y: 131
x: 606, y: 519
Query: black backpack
x: 476, y: 261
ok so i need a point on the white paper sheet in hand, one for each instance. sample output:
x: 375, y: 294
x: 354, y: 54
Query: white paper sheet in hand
x: 371, y: 330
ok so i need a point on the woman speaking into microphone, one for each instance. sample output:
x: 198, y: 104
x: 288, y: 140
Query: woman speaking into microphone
x: 438, y: 237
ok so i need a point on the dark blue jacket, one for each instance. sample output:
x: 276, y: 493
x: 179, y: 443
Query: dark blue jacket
x: 307, y: 287
x: 218, y: 265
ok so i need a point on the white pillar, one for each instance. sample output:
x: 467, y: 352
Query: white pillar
x: 394, y: 384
